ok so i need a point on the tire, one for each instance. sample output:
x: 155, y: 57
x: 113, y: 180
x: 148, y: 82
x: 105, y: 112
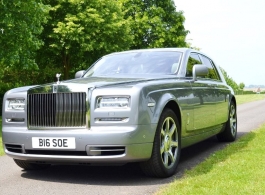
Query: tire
x: 30, y: 166
x: 166, y: 147
x: 230, y: 131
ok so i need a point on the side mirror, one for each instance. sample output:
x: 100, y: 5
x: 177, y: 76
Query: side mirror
x: 79, y: 74
x: 199, y: 70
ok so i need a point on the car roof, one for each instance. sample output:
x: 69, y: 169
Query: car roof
x: 154, y: 49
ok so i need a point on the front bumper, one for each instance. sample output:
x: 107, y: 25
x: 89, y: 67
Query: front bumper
x: 97, y: 145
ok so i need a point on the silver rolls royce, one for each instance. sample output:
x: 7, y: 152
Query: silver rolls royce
x: 133, y: 106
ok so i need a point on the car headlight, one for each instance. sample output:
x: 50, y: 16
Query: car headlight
x: 15, y: 104
x: 113, y: 102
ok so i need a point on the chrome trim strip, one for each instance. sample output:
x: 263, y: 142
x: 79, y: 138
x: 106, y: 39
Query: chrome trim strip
x: 88, y: 113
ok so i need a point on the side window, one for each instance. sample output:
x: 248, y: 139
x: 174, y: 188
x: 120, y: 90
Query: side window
x: 212, y: 71
x: 193, y: 59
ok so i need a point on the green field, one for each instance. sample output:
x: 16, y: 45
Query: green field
x: 237, y: 169
x: 241, y: 99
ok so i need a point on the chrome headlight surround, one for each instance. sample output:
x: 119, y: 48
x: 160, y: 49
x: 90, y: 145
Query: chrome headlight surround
x: 15, y: 104
x: 113, y: 102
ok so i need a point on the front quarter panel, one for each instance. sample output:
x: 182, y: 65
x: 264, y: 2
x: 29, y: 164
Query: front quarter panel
x: 130, y: 113
x: 174, y: 94
x: 17, y: 93
x: 135, y: 115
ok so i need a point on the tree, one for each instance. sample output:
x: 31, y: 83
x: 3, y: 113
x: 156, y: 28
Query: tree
x: 241, y: 86
x: 155, y: 23
x: 79, y: 32
x: 20, y: 24
x: 230, y: 81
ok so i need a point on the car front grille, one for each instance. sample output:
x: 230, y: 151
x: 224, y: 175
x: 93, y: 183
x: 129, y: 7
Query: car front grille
x: 56, y: 110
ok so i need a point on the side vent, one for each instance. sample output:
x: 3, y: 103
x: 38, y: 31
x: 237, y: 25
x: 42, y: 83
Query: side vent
x: 14, y: 148
x: 106, y: 150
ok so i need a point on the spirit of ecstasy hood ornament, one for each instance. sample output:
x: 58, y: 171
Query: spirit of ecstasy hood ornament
x: 58, y: 78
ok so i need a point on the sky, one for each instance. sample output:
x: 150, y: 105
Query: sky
x: 231, y: 32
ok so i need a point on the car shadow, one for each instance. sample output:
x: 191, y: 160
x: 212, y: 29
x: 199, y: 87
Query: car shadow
x: 126, y: 175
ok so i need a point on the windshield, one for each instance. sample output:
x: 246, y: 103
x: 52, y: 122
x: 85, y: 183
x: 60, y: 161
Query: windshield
x: 144, y: 62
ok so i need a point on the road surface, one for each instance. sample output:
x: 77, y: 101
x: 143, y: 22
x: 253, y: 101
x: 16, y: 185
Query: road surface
x: 120, y: 180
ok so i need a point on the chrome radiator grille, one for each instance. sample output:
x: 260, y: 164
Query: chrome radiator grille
x: 57, y: 110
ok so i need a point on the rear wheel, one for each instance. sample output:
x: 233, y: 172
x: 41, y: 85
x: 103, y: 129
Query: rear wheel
x: 30, y: 166
x: 166, y: 147
x: 230, y: 131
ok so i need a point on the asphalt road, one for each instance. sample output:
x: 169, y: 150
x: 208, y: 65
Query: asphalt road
x: 120, y: 180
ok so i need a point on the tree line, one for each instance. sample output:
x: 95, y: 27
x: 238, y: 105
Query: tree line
x: 39, y: 38
x: 42, y: 37
x: 238, y: 88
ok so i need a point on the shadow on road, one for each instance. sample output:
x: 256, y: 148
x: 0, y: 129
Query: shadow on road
x: 127, y: 175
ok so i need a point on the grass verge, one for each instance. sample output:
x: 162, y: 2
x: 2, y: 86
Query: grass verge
x: 237, y: 169
x: 241, y: 99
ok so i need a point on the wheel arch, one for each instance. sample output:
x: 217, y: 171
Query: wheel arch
x: 229, y: 131
x: 167, y: 101
x: 173, y: 105
x: 161, y: 165
x: 233, y: 99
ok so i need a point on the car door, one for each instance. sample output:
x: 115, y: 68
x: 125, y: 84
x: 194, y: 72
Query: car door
x: 221, y: 91
x: 203, y: 99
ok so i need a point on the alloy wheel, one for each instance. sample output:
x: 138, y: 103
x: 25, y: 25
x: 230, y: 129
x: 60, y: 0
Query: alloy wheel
x: 169, y: 142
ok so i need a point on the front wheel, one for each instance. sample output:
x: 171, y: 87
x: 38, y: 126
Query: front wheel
x: 30, y: 166
x: 166, y: 147
x: 230, y: 131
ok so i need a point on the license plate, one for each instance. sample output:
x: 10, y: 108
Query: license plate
x: 53, y: 142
